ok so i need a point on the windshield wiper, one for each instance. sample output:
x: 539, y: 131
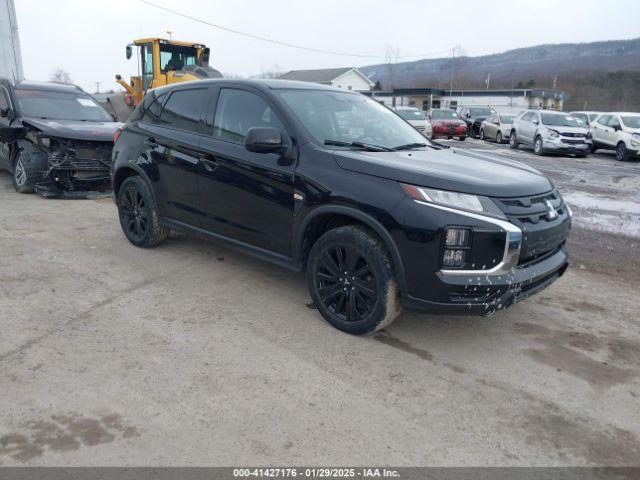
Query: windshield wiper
x: 409, y: 146
x: 363, y: 146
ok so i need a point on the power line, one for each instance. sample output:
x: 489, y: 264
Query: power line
x: 279, y: 42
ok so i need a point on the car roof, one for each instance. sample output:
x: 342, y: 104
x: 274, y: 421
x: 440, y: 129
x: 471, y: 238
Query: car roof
x: 49, y: 86
x: 271, y: 84
x: 405, y: 107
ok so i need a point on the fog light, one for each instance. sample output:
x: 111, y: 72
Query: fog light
x: 457, y: 237
x: 453, y: 258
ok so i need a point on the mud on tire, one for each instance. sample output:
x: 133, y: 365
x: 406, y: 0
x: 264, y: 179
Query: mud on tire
x: 351, y: 280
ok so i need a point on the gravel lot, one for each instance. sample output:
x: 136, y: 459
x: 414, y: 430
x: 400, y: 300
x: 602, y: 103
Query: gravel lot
x: 193, y: 354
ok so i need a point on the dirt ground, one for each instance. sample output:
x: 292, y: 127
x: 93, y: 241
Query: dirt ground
x: 193, y: 354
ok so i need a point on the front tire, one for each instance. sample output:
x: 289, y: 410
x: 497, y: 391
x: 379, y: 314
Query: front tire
x: 513, y: 141
x: 622, y: 154
x: 499, y: 138
x: 28, y: 169
x: 351, y: 280
x: 138, y: 214
x: 538, y: 146
x: 482, y: 137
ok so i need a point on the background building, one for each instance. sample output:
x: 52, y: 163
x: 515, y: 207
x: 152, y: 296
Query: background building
x: 428, y: 98
x: 348, y: 78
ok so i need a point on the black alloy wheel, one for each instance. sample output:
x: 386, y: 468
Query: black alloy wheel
x: 351, y: 280
x: 138, y: 214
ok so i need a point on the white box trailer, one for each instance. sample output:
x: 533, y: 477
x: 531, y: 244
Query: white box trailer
x: 10, y: 55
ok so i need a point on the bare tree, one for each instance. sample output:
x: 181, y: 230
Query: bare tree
x: 392, y: 55
x: 61, y: 76
x: 274, y: 72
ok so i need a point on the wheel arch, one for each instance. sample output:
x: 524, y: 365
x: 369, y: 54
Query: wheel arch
x: 327, y: 217
x: 125, y: 171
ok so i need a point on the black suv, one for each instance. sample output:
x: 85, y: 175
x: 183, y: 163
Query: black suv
x: 54, y: 138
x: 473, y: 117
x: 330, y: 181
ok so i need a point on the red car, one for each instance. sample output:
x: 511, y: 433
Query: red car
x: 446, y: 124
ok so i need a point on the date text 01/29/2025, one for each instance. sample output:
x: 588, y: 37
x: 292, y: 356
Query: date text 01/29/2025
x: 315, y: 472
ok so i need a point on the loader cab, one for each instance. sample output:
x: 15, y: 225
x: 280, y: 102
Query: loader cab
x: 164, y: 62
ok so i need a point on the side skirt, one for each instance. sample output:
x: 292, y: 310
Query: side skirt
x: 257, y: 252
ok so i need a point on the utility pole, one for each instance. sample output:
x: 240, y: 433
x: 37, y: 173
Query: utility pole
x: 453, y: 59
x: 97, y: 86
x: 511, y: 96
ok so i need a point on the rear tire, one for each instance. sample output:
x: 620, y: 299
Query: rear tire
x: 482, y: 134
x: 138, y: 214
x: 513, y: 141
x: 351, y: 280
x: 29, y: 168
x: 622, y: 154
x: 462, y: 139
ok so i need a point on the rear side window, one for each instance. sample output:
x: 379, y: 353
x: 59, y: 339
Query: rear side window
x: 182, y: 110
x: 152, y: 107
x: 4, y: 103
x: 240, y: 110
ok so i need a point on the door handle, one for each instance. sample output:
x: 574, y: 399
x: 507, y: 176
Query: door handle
x: 151, y: 143
x: 209, y: 164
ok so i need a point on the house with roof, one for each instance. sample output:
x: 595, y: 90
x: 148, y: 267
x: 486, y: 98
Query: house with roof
x: 348, y: 78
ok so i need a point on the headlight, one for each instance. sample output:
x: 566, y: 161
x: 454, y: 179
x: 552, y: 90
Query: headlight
x: 636, y: 137
x: 553, y: 133
x: 45, y: 141
x: 450, y: 199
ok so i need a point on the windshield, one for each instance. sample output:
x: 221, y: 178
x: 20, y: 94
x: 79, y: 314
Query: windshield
x: 506, y: 118
x: 411, y: 114
x: 559, y: 120
x: 581, y: 116
x: 480, y: 112
x: 348, y: 117
x: 61, y: 106
x: 443, y: 114
x: 174, y: 57
x: 631, y: 121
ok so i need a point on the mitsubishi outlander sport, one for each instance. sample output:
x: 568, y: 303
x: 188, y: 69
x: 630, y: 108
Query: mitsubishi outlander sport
x: 329, y: 181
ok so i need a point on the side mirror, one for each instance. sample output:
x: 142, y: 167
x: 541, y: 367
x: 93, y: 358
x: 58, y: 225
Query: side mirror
x: 263, y: 140
x: 204, y: 59
x: 617, y: 128
x: 535, y: 122
x: 128, y: 52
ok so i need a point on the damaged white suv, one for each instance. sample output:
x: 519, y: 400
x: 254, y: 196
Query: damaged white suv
x: 548, y: 131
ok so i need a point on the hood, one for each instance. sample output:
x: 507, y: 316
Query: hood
x: 419, y: 123
x: 631, y: 130
x: 583, y: 130
x: 449, y: 169
x: 75, y: 130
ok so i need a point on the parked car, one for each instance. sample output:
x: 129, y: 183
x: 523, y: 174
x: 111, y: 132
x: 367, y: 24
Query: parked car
x: 549, y: 131
x: 55, y: 138
x: 329, y: 181
x: 446, y: 124
x: 417, y: 118
x: 497, y: 127
x: 619, y: 131
x: 473, y: 117
x: 587, y: 117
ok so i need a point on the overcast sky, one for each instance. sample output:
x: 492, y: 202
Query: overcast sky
x: 88, y: 37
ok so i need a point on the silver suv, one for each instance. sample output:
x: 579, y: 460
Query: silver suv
x: 548, y: 131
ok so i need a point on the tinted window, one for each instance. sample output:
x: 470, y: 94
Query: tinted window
x: 153, y: 109
x: 240, y: 110
x: 3, y: 100
x: 559, y: 120
x: 183, y: 109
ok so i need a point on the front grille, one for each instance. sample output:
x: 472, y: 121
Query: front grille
x: 574, y: 135
x: 88, y: 156
x: 544, y: 222
x: 573, y: 142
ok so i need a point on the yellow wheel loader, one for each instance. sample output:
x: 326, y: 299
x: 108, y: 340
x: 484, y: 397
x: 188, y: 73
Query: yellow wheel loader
x: 164, y: 62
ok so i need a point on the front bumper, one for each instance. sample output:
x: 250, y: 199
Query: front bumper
x: 484, y: 295
x: 562, y: 145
